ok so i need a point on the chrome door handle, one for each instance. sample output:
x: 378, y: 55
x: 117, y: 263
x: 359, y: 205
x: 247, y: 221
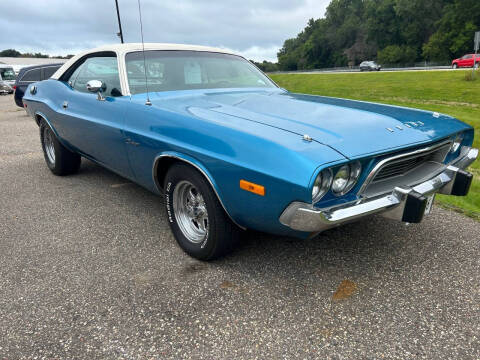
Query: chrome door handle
x: 65, y: 104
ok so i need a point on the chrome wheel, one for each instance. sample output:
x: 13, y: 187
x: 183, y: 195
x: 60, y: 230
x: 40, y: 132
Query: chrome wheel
x: 190, y: 212
x: 48, y: 144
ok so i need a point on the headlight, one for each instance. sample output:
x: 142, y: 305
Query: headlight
x: 340, y: 180
x: 346, y: 178
x: 322, y: 184
x: 456, y: 143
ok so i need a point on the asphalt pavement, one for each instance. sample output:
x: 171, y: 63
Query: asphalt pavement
x: 90, y: 270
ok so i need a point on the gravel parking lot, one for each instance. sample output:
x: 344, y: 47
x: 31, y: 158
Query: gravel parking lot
x: 89, y: 269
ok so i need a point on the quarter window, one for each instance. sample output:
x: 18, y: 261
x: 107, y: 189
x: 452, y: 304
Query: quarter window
x: 49, y: 71
x: 32, y: 75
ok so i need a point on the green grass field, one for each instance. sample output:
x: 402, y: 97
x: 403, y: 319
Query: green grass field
x: 444, y: 91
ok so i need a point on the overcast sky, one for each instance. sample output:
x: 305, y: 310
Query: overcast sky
x: 255, y: 28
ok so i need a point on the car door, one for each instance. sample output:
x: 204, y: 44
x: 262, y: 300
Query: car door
x: 93, y: 123
x: 469, y: 61
x: 465, y: 62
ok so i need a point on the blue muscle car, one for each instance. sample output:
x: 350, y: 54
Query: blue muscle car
x: 230, y: 150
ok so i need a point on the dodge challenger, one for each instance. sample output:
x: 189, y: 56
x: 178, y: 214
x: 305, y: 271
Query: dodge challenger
x: 229, y: 150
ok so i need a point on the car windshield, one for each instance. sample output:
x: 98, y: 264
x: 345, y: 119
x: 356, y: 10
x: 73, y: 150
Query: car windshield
x: 186, y: 70
x: 7, y: 74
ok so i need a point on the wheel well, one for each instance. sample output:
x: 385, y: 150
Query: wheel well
x: 38, y: 118
x: 161, y: 168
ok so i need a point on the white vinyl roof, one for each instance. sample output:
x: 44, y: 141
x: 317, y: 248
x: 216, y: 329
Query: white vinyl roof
x: 122, y: 49
x: 129, y: 47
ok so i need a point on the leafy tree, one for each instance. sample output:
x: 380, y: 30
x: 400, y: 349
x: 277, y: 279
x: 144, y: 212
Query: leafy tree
x: 395, y: 54
x: 454, y: 36
x: 266, y: 66
x: 10, y: 53
x: 394, y: 31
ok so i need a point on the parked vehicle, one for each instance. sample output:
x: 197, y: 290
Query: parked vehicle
x: 230, y: 150
x: 31, y: 74
x: 7, y: 79
x: 469, y: 60
x: 370, y: 66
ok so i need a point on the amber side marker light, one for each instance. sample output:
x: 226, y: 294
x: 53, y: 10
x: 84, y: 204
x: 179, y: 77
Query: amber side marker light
x: 254, y: 188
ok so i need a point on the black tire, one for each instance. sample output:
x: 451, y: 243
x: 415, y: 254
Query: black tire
x: 454, y: 66
x: 476, y: 66
x: 63, y: 162
x: 222, y: 234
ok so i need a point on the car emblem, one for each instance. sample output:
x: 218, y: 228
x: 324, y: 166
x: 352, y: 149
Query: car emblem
x: 408, y: 124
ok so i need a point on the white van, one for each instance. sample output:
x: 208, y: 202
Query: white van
x: 7, y: 78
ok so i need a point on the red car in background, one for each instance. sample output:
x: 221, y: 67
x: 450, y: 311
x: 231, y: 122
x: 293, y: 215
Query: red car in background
x: 468, y: 60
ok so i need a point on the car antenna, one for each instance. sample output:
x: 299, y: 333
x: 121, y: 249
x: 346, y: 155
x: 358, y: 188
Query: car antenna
x: 148, y: 102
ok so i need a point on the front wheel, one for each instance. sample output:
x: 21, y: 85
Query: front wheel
x: 59, y: 159
x: 477, y: 65
x: 455, y: 66
x: 197, y: 219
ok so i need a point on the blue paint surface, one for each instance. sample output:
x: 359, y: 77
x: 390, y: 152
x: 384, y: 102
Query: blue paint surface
x: 233, y: 134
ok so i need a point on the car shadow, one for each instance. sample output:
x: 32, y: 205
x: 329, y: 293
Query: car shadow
x: 373, y: 244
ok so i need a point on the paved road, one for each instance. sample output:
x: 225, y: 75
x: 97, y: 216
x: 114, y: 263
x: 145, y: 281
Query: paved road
x: 357, y: 71
x: 89, y: 270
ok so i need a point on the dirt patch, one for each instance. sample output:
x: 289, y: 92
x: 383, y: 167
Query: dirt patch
x: 345, y: 290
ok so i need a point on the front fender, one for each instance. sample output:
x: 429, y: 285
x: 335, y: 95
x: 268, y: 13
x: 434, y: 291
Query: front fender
x: 197, y: 165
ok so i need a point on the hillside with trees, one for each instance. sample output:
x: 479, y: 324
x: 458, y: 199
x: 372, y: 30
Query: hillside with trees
x: 15, y: 53
x: 390, y: 31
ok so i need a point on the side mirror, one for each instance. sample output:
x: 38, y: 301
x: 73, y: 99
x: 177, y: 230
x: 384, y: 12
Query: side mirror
x: 97, y: 86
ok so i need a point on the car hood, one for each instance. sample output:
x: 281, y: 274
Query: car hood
x: 353, y: 128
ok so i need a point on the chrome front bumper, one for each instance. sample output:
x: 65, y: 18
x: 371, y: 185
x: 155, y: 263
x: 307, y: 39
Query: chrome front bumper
x: 403, y: 203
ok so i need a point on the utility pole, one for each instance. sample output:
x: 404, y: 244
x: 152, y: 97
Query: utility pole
x: 477, y: 46
x: 120, y: 33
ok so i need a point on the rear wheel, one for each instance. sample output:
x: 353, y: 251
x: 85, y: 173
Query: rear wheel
x: 196, y: 217
x: 477, y: 65
x: 59, y: 159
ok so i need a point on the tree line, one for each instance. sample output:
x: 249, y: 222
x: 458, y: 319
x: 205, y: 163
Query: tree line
x: 389, y: 31
x: 15, y: 53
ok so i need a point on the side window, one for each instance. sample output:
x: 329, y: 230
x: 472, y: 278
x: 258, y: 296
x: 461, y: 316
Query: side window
x: 49, y: 71
x: 104, y: 69
x: 73, y: 77
x: 32, y: 75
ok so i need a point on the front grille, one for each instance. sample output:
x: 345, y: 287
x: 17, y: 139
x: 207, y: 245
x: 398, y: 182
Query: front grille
x: 399, y: 166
